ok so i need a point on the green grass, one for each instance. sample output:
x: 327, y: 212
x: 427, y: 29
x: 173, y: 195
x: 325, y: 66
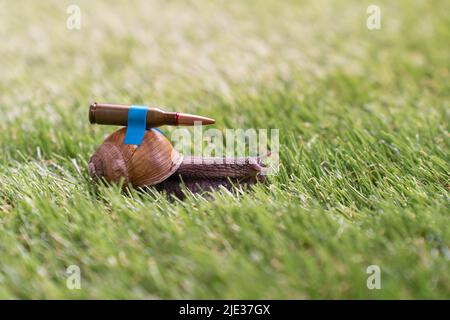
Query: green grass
x: 363, y: 118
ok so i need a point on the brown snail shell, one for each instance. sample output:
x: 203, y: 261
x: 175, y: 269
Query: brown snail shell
x: 151, y: 163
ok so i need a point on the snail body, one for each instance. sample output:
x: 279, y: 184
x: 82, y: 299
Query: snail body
x: 156, y: 163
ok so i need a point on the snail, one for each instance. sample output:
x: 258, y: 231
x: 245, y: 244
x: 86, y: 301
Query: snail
x: 155, y: 163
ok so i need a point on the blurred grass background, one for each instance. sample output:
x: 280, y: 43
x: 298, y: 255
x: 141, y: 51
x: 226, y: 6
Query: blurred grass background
x: 363, y: 118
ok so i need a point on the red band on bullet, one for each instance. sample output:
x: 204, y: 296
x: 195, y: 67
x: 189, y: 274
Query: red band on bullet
x: 177, y: 116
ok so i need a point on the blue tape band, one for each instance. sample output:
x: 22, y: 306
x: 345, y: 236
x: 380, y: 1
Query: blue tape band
x: 137, y: 124
x: 159, y: 130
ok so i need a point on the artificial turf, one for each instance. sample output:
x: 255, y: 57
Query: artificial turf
x: 364, y: 149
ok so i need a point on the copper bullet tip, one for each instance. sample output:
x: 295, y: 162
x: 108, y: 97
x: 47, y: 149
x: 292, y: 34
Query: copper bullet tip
x: 185, y: 119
